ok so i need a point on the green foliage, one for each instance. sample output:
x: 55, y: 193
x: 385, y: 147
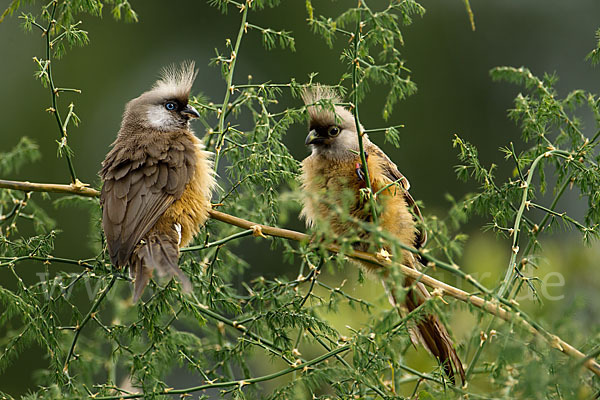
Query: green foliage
x: 24, y: 152
x: 373, y: 31
x: 594, y: 55
x: 230, y: 336
x: 17, y: 206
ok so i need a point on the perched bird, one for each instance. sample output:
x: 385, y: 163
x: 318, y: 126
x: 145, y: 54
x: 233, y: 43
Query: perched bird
x: 157, y: 181
x: 332, y: 177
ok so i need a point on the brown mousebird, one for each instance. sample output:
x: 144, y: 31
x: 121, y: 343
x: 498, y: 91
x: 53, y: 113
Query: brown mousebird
x: 332, y: 171
x: 157, y: 181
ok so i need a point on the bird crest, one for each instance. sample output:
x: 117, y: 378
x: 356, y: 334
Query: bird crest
x: 326, y: 113
x: 319, y: 92
x: 177, y: 80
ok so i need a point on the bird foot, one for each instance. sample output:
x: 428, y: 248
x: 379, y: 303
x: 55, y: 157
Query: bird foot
x: 359, y: 172
x: 359, y: 169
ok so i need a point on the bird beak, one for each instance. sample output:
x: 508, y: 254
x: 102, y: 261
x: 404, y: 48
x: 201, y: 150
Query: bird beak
x: 190, y: 112
x: 312, y: 138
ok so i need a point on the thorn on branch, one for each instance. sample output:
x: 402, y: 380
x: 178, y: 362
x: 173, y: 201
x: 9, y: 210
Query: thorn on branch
x: 439, y: 293
x: 482, y: 338
x: 383, y: 255
x: 257, y: 231
x: 557, y: 343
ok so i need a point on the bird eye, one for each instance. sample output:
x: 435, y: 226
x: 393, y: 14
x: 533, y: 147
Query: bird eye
x: 170, y: 105
x: 333, y: 131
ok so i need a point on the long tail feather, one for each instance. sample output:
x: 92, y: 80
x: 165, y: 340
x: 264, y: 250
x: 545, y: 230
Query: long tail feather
x: 428, y: 329
x: 434, y: 335
x: 160, y: 252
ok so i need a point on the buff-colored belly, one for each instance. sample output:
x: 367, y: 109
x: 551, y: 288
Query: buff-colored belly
x: 337, y: 181
x: 190, y: 211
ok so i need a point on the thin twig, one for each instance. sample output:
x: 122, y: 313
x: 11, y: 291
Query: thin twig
x: 363, y: 158
x: 204, y: 309
x: 229, y: 89
x: 8, y: 261
x: 85, y: 320
x: 512, y: 266
x: 220, y: 242
x: 61, y: 126
x: 240, y: 383
x: 344, y: 362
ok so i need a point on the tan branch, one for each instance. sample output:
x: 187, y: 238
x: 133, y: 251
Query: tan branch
x: 491, y: 307
x: 81, y: 189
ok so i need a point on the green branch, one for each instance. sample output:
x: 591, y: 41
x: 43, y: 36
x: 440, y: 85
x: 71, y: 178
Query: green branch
x: 220, y: 242
x: 85, y: 320
x: 54, y: 93
x: 240, y: 383
x: 229, y: 90
x: 8, y: 261
x: 356, y: 39
x: 512, y: 265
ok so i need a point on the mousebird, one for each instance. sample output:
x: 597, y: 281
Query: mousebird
x: 333, y: 171
x: 157, y: 181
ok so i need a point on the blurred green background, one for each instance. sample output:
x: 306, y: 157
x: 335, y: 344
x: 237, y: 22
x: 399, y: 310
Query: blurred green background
x: 449, y: 63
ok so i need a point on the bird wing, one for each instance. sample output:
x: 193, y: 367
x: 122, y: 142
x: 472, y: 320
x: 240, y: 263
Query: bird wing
x: 390, y: 170
x: 139, y: 186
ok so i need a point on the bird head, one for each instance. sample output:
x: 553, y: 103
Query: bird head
x: 332, y: 129
x: 165, y: 107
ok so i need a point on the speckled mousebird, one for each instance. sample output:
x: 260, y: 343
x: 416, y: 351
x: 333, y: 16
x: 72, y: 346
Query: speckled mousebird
x: 332, y: 171
x: 157, y: 181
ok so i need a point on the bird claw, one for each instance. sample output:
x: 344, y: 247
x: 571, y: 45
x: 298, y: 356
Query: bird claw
x: 359, y: 169
x: 359, y: 172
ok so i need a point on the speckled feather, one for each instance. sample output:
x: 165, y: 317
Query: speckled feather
x: 330, y: 172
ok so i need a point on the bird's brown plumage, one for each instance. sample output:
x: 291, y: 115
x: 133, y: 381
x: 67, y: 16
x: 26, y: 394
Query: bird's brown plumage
x: 329, y: 176
x: 158, y: 181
